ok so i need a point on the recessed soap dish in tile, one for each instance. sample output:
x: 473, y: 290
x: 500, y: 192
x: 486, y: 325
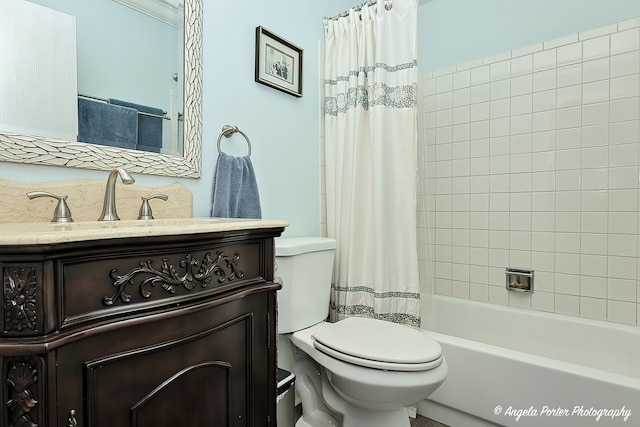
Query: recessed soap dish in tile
x: 519, y: 280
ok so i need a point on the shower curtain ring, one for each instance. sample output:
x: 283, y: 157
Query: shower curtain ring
x: 388, y: 5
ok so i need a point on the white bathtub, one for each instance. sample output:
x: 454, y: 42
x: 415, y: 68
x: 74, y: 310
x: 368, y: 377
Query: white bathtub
x: 516, y: 367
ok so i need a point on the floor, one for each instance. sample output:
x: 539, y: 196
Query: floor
x: 421, y: 421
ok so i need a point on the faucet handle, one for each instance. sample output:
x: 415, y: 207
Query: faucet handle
x: 62, y: 212
x: 145, y: 209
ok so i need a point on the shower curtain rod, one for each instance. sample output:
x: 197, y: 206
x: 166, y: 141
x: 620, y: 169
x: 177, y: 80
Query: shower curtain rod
x: 387, y: 5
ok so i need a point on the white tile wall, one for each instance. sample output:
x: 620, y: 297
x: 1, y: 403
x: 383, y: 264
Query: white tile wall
x: 531, y: 159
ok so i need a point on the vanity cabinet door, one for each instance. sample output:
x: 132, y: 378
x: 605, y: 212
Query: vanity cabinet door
x: 207, y: 368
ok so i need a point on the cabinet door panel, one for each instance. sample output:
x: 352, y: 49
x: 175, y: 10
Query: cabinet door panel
x: 137, y: 385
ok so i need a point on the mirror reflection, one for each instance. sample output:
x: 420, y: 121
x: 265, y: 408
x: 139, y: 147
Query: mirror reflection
x: 128, y: 54
x: 120, y: 55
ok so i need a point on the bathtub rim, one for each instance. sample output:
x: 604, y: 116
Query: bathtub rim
x: 430, y: 299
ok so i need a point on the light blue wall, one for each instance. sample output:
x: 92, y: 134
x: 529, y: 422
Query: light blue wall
x: 457, y: 31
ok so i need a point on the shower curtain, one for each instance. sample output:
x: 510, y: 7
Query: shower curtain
x: 370, y: 108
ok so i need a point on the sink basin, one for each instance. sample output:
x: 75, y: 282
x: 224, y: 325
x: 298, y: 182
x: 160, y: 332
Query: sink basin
x: 51, y: 233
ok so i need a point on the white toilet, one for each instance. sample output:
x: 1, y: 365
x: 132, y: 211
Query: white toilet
x: 358, y: 372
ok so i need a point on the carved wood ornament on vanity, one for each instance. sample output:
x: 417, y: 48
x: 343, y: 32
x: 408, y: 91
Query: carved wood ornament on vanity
x: 20, y: 287
x: 195, y: 274
x: 20, y: 296
x: 22, y: 378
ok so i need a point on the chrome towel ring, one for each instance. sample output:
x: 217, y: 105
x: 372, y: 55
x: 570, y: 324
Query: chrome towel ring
x: 227, y: 131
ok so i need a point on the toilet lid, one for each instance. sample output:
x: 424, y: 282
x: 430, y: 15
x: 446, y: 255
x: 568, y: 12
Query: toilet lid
x: 378, y: 344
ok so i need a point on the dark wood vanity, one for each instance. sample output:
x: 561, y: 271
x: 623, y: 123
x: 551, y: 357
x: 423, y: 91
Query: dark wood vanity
x: 150, y: 331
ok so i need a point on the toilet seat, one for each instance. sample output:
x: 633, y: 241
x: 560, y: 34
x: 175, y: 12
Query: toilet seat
x: 378, y: 344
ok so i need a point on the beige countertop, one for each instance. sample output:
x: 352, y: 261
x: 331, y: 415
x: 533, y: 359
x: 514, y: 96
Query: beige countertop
x: 41, y: 233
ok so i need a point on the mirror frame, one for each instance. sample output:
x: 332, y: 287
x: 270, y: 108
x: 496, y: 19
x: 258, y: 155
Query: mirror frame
x: 56, y: 152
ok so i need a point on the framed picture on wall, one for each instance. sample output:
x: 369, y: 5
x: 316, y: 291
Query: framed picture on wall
x: 278, y: 62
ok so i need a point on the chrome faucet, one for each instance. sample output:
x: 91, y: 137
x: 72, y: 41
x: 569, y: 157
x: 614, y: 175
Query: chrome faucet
x: 109, y: 208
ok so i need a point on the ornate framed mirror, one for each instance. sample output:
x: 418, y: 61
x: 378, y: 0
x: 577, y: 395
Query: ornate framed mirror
x: 41, y: 150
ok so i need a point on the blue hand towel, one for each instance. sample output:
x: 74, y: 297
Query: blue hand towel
x: 235, y: 190
x: 149, y: 128
x: 106, y: 124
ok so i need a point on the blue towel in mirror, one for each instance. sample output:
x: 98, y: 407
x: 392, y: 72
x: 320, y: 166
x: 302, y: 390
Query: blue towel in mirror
x: 149, y: 128
x: 106, y: 124
x: 235, y: 190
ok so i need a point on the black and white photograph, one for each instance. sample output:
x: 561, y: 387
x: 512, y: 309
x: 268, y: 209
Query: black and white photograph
x: 278, y: 62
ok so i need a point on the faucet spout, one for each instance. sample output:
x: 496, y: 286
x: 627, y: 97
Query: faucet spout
x: 109, y: 207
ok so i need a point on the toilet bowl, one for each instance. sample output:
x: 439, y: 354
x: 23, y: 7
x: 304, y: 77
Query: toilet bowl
x: 358, y: 372
x: 371, y: 379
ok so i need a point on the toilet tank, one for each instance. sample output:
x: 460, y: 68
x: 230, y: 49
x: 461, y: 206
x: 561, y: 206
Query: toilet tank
x: 304, y: 266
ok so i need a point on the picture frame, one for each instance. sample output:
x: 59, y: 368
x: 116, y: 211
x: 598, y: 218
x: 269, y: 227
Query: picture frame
x: 278, y: 62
